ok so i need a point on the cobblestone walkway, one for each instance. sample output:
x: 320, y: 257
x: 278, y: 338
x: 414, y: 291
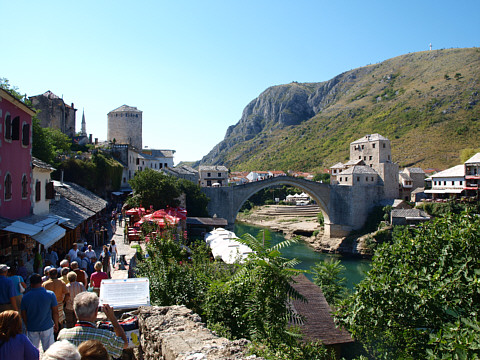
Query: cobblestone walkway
x: 123, y: 248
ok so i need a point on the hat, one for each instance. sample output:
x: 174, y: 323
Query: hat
x: 47, y: 269
x: 4, y: 267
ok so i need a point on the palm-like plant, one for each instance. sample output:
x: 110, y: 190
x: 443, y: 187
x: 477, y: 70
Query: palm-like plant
x: 255, y: 302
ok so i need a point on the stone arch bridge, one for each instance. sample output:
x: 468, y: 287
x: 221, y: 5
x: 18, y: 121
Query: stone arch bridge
x: 345, y: 208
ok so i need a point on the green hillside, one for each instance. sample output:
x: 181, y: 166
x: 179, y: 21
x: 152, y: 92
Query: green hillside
x: 426, y: 103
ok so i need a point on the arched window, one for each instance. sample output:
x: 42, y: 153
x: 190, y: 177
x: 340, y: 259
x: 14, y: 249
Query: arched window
x: 16, y: 128
x: 24, y: 186
x: 26, y: 134
x: 8, y: 187
x: 8, y: 127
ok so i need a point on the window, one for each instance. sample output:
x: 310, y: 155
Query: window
x: 138, y: 161
x: 461, y: 182
x: 219, y: 174
x: 370, y: 157
x: 444, y: 183
x: 360, y: 157
x: 383, y: 145
x: 8, y: 127
x: 346, y: 178
x: 209, y: 182
x: 388, y: 157
x: 16, y: 128
x: 26, y: 134
x: 372, y: 178
x: 8, y: 187
x: 208, y: 174
x: 373, y: 146
x: 363, y: 147
x: 364, y: 158
x: 124, y: 180
x: 358, y: 178
x: 166, y: 165
x: 49, y: 190
x: 341, y: 179
x: 24, y: 186
x: 38, y: 191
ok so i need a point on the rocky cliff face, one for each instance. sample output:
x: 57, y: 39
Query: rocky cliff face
x: 307, y: 126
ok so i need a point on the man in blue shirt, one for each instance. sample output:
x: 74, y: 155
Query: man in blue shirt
x: 40, y: 313
x: 7, y: 291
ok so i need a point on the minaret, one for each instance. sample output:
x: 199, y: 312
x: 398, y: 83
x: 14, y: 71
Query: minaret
x: 84, y: 125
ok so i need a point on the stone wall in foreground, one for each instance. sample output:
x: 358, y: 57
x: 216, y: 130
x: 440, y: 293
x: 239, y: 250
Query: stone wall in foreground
x: 177, y: 333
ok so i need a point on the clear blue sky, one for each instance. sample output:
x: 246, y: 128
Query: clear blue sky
x: 192, y: 66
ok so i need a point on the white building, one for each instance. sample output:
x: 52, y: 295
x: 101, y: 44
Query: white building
x: 446, y: 183
x: 472, y: 175
x: 257, y: 175
x: 43, y: 190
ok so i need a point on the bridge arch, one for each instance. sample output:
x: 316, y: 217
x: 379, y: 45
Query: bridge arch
x: 305, y: 185
x: 345, y: 208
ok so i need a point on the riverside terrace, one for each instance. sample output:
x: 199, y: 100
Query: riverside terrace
x: 345, y: 208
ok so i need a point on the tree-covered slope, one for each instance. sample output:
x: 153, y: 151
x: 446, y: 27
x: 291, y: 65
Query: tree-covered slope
x: 426, y: 103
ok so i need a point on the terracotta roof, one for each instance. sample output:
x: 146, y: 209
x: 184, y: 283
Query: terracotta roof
x: 319, y: 324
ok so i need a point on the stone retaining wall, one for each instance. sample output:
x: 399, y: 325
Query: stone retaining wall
x: 177, y: 333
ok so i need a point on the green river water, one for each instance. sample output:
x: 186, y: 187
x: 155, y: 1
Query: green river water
x: 354, y: 268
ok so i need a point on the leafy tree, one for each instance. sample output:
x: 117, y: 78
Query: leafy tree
x: 196, y: 200
x: 153, y: 188
x: 328, y: 276
x: 419, y: 285
x: 61, y: 143
x: 42, y: 146
x: 322, y: 177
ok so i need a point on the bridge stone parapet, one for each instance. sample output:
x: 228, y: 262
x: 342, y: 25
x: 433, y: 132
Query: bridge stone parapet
x: 345, y: 208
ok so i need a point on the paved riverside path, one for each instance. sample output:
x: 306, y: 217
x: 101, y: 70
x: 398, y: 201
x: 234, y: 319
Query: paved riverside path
x: 123, y: 248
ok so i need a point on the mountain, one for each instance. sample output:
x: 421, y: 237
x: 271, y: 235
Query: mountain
x: 426, y: 103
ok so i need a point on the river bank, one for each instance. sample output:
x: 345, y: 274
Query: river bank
x: 302, y: 221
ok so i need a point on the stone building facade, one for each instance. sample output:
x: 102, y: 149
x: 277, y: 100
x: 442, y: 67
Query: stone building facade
x: 54, y: 113
x: 213, y: 175
x: 370, y: 164
x: 125, y: 126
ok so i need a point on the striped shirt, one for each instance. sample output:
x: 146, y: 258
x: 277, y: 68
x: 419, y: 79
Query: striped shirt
x: 73, y: 289
x: 85, y: 330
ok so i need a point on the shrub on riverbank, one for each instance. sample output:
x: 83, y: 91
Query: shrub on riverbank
x: 420, y: 299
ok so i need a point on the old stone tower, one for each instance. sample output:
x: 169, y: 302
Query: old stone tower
x: 374, y: 150
x: 125, y: 126
x: 55, y: 113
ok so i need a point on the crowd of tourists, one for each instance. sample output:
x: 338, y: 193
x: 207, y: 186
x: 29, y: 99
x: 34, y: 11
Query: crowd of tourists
x: 58, y: 307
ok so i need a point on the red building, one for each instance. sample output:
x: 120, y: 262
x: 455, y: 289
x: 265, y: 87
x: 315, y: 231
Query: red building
x: 15, y: 157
